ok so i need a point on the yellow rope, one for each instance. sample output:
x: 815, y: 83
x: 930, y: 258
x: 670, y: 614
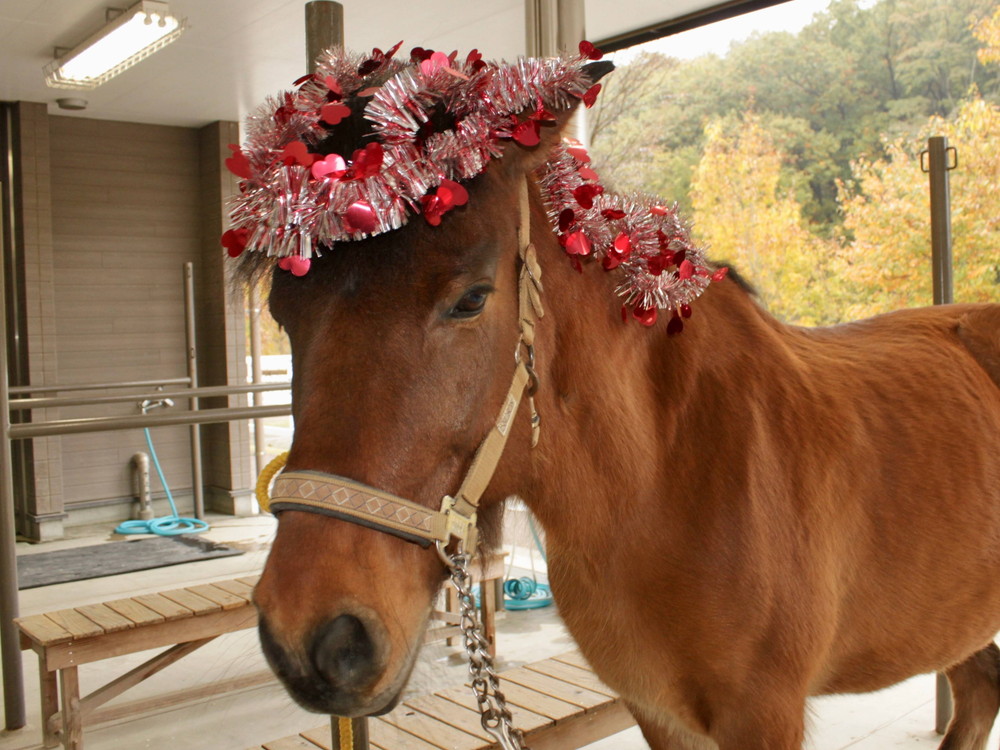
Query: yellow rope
x: 264, y: 480
x: 346, y: 733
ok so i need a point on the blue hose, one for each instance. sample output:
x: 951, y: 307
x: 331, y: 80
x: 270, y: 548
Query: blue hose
x: 165, y: 525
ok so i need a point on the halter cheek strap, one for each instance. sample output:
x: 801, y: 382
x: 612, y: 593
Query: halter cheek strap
x: 347, y: 500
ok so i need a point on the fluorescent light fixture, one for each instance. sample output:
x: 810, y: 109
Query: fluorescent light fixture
x: 126, y: 39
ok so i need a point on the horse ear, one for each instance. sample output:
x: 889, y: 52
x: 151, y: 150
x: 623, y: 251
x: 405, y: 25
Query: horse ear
x: 528, y: 158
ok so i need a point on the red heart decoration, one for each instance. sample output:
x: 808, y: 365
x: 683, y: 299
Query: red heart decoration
x: 333, y: 166
x: 238, y: 163
x: 586, y: 193
x: 298, y: 265
x: 334, y: 112
x: 590, y: 95
x: 588, y: 50
x: 645, y: 315
x: 720, y: 274
x: 360, y: 217
x: 285, y: 263
x: 658, y: 210
x: 686, y: 270
x: 452, y: 193
x: 566, y: 217
x: 577, y: 151
x: 577, y: 243
x: 675, y: 326
x: 297, y: 153
x: 527, y: 133
x: 235, y: 241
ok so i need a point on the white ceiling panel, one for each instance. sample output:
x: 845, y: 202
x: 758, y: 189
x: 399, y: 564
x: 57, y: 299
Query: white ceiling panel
x: 238, y: 51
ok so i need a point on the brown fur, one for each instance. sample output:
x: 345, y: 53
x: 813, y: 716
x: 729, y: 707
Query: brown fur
x: 737, y: 517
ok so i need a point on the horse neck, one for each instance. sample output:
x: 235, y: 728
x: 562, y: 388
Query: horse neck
x: 617, y: 398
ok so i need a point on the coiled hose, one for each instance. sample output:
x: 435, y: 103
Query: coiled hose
x: 171, y: 525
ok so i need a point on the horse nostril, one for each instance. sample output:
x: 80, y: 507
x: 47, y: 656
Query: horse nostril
x: 344, y: 654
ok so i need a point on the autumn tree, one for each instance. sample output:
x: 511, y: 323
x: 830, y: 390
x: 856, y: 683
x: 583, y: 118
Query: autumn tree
x: 744, y: 216
x: 886, y: 216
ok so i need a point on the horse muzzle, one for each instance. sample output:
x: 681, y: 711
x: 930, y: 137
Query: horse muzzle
x: 341, y: 668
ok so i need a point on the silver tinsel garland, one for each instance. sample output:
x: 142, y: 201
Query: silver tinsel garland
x: 288, y: 209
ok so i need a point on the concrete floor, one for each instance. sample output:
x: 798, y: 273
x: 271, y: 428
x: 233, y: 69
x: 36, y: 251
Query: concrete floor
x: 901, y: 717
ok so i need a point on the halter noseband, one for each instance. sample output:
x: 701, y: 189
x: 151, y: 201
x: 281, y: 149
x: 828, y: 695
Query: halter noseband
x: 347, y: 500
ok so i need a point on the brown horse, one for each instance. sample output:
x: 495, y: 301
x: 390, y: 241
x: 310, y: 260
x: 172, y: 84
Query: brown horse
x: 738, y: 517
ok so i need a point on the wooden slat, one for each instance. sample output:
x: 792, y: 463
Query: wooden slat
x: 432, y: 730
x: 77, y: 624
x: 44, y: 631
x: 138, y: 613
x: 575, y: 658
x: 524, y: 719
x: 385, y: 735
x: 237, y: 588
x: 107, y: 618
x: 321, y: 736
x: 160, y: 604
x: 568, y: 673
x: 540, y: 703
x: 451, y: 713
x: 564, y: 691
x: 296, y: 742
x: 220, y: 596
x: 250, y: 581
x: 197, y: 604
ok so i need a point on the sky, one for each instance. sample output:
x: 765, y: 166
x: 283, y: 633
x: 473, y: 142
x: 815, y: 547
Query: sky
x: 716, y: 38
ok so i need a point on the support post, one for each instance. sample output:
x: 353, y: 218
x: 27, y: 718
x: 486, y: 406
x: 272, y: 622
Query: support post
x: 324, y: 29
x: 260, y: 444
x: 359, y: 734
x: 941, y: 159
x: 10, y: 643
x: 198, y: 484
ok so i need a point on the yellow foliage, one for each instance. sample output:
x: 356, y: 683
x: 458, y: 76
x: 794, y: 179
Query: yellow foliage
x: 988, y: 32
x: 744, y: 217
x: 887, y: 208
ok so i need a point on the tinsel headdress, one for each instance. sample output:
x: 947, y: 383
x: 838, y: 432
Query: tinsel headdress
x: 436, y: 121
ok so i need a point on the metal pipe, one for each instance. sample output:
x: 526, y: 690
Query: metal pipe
x: 259, y: 442
x: 10, y: 644
x: 939, y: 165
x: 138, y: 421
x: 197, y: 482
x: 186, y: 393
x: 140, y: 466
x: 22, y: 389
x: 324, y: 29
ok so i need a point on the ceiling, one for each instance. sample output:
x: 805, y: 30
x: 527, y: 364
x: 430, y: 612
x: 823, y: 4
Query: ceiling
x: 238, y: 51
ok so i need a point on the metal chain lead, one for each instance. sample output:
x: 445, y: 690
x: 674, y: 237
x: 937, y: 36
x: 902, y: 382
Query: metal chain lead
x: 496, y: 718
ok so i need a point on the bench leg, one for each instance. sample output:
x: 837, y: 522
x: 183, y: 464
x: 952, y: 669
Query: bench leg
x: 49, y: 689
x: 488, y: 612
x: 72, y: 719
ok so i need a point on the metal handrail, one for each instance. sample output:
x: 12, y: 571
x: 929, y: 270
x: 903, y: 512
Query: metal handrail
x: 22, y: 389
x: 153, y: 419
x: 202, y: 392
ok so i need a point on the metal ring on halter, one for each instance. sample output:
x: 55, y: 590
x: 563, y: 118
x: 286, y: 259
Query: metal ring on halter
x: 532, y: 388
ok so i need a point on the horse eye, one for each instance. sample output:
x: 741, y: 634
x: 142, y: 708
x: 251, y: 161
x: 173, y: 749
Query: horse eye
x: 472, y: 303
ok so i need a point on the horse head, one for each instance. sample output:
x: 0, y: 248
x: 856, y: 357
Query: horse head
x: 404, y: 343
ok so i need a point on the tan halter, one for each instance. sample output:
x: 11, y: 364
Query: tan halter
x: 347, y: 500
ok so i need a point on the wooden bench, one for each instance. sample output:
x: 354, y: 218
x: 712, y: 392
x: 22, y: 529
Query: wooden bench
x: 558, y: 703
x: 182, y: 621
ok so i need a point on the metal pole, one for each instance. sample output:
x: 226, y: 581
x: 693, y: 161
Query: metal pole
x: 20, y: 390
x: 941, y: 159
x: 192, y: 365
x: 255, y: 346
x: 10, y: 645
x: 186, y: 393
x: 324, y: 29
x: 138, y: 421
